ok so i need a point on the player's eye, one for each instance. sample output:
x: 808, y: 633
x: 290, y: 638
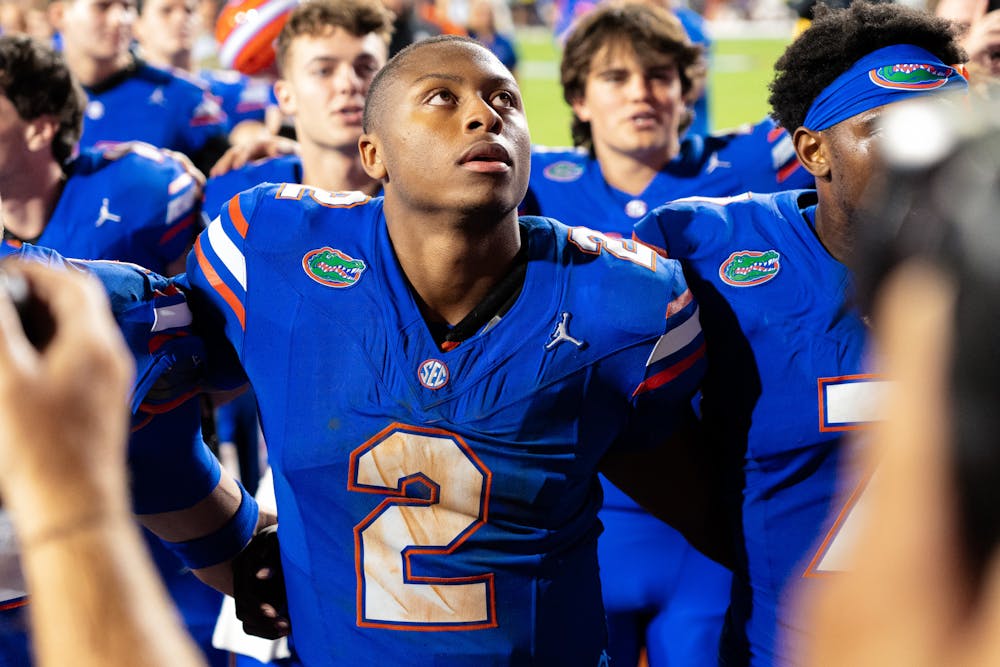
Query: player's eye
x: 442, y: 98
x: 613, y: 76
x: 365, y: 69
x: 665, y: 74
x: 504, y: 100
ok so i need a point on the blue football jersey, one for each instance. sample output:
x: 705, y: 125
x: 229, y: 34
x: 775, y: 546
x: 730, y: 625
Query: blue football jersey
x: 220, y: 189
x: 145, y: 103
x: 441, y: 506
x: 785, y: 370
x: 240, y: 96
x: 567, y: 184
x: 155, y: 321
x: 142, y: 207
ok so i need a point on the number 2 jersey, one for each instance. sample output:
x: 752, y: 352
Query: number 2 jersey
x: 439, y: 507
x: 784, y: 385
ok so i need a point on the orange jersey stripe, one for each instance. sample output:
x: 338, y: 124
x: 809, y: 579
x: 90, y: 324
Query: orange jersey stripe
x: 216, y: 282
x: 236, y: 215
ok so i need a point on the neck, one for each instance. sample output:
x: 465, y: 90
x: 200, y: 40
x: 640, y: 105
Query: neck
x: 629, y: 172
x: 451, y: 264
x: 29, y: 198
x: 334, y: 170
x: 831, y: 230
x: 178, y: 60
x: 91, y: 71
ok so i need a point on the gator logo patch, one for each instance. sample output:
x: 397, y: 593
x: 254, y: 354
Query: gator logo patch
x: 915, y: 76
x: 563, y: 171
x: 332, y: 267
x: 746, y: 268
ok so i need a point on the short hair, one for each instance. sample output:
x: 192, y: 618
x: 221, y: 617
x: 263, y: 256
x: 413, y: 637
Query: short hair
x: 38, y: 82
x: 377, y: 90
x: 838, y: 38
x: 646, y: 29
x: 315, y: 17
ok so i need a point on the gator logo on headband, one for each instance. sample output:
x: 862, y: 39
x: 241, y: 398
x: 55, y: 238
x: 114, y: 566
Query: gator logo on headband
x: 914, y: 76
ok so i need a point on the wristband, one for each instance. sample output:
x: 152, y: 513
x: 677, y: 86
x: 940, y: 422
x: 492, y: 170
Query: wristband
x: 223, y: 544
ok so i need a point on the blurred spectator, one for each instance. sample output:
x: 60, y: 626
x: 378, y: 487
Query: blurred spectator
x: 483, y: 28
x: 409, y: 25
x: 980, y: 22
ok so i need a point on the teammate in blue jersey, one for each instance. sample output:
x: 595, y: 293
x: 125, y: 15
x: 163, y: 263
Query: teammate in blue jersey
x: 570, y: 12
x: 786, y: 376
x: 139, y: 206
x: 626, y: 71
x: 129, y: 203
x: 166, y: 30
x: 659, y: 592
x: 327, y: 54
x: 127, y: 98
x: 439, y: 382
x: 65, y: 382
x: 154, y: 319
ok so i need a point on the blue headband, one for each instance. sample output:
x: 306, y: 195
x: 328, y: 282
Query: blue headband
x: 888, y: 75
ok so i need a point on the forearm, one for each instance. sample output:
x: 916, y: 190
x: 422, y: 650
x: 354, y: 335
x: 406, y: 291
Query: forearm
x: 95, y: 596
x: 96, y: 599
x: 207, y: 535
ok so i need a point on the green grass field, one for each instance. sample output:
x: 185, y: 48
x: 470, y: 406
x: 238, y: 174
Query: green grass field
x: 739, y: 74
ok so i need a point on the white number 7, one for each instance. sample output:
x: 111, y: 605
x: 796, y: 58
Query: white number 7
x: 390, y: 595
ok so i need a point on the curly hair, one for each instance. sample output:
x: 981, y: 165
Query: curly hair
x: 38, y: 82
x: 358, y: 17
x: 838, y: 38
x: 646, y: 29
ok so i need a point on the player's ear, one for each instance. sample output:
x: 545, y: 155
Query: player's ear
x: 581, y: 109
x: 38, y: 133
x: 371, y: 156
x: 286, y: 97
x: 811, y: 149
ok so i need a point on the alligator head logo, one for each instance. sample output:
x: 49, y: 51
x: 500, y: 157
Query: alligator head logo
x: 333, y: 268
x: 913, y: 76
x: 745, y: 268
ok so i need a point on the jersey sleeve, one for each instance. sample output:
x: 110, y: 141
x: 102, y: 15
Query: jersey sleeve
x: 170, y: 466
x: 204, y: 120
x: 217, y: 281
x: 776, y: 149
x: 689, y: 226
x: 661, y: 375
x: 155, y: 320
x: 172, y: 231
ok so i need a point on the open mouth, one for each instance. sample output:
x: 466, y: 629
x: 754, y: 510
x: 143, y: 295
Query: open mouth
x: 486, y: 157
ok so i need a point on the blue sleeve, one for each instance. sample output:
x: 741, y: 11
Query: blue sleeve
x: 155, y: 321
x: 202, y: 120
x: 177, y: 213
x: 171, y: 468
x: 216, y: 283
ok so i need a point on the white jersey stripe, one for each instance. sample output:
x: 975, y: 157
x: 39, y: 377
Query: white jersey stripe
x: 171, y: 317
x: 676, y: 339
x: 228, y: 252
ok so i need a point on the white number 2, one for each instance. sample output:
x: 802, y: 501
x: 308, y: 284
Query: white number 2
x: 453, y: 505
x: 846, y: 403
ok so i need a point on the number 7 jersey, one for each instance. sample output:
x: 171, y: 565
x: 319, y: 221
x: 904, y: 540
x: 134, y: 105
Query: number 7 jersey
x: 440, y: 506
